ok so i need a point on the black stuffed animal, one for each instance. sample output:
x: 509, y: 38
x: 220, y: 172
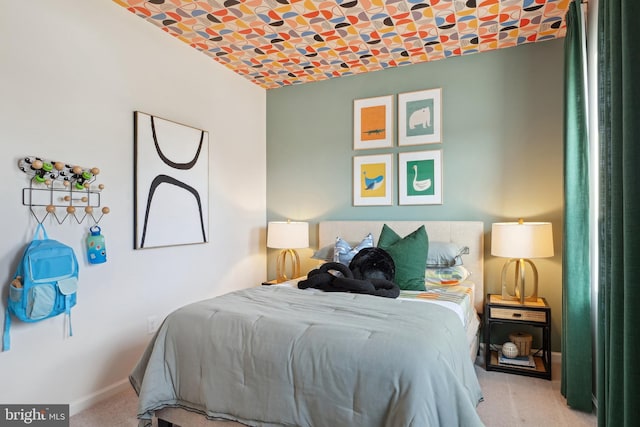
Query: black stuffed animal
x: 371, y: 271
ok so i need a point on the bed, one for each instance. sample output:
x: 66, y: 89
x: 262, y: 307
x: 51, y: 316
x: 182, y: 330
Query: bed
x: 464, y: 233
x: 282, y: 356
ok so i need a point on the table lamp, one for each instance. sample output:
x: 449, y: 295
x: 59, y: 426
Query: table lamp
x: 288, y: 236
x: 521, y: 241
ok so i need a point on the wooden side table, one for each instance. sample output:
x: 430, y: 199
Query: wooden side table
x: 536, y: 314
x: 289, y: 282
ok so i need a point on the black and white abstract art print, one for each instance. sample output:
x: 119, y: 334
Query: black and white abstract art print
x: 171, y: 170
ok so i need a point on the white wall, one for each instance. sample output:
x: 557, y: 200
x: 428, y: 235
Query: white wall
x: 71, y: 75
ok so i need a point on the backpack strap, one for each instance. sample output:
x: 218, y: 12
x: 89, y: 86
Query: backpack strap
x: 40, y: 228
x: 68, y: 287
x: 67, y: 312
x: 6, y: 339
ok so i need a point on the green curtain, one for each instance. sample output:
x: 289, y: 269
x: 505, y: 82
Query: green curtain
x: 618, y: 371
x: 577, y: 361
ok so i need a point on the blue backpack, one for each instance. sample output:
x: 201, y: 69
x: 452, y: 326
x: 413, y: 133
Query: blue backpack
x: 44, y: 285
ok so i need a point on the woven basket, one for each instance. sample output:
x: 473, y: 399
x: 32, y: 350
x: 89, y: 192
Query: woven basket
x: 523, y: 341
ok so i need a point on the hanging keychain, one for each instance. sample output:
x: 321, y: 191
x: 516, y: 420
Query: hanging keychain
x: 96, y: 251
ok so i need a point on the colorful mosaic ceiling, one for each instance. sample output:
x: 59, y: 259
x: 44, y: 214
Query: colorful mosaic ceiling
x: 277, y: 43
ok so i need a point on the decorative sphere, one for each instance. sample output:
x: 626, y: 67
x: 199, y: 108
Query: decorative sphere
x: 51, y: 208
x: 67, y: 198
x: 88, y: 209
x: 101, y: 186
x: 76, y: 170
x: 58, y: 165
x: 47, y: 182
x: 510, y: 350
x: 65, y: 183
x: 71, y: 209
x: 37, y: 164
x: 95, y: 171
x: 105, y: 210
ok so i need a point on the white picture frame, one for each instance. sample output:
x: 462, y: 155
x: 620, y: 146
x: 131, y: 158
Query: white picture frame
x: 420, y: 117
x: 373, y: 123
x: 420, y: 178
x: 372, y: 180
x: 171, y: 178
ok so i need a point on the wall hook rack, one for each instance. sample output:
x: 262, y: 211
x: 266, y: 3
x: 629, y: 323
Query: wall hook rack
x: 61, y: 185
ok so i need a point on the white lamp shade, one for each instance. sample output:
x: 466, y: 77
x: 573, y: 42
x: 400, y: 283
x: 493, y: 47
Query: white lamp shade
x: 287, y: 235
x: 522, y: 240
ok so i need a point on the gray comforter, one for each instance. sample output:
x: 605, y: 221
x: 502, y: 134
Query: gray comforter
x: 279, y: 356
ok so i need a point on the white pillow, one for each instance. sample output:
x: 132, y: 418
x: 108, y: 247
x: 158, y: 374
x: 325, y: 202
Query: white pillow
x: 445, y: 254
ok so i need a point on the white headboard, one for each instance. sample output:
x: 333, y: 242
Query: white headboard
x: 464, y: 233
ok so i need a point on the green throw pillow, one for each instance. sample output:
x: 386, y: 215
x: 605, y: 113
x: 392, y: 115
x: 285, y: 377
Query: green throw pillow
x: 409, y: 255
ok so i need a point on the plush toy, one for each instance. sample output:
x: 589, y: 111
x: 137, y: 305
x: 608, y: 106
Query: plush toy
x: 371, y: 271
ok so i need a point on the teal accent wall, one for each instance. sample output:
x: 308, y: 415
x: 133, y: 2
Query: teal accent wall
x: 501, y: 149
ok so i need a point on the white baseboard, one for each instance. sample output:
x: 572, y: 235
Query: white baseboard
x: 98, y: 396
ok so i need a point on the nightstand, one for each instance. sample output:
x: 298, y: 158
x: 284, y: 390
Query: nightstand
x: 288, y: 282
x: 511, y: 313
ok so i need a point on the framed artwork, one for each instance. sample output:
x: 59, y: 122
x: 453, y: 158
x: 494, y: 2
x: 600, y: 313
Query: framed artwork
x: 420, y: 178
x: 420, y: 117
x: 372, y: 180
x: 171, y: 177
x: 373, y: 122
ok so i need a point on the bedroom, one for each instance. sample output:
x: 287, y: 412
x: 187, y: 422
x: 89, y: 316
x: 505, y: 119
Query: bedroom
x: 74, y: 74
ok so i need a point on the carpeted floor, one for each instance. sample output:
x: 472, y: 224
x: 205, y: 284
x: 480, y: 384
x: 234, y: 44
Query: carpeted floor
x: 518, y: 401
x: 509, y: 401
